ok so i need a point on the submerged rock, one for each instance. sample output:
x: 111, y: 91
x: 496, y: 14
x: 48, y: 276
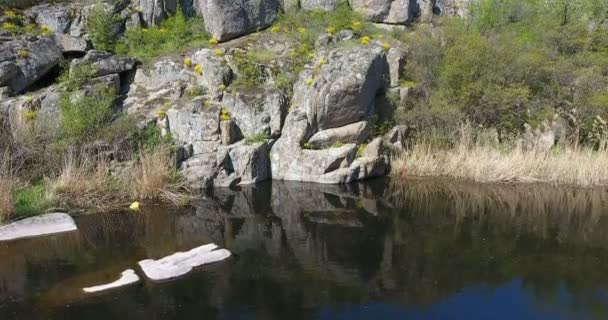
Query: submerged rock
x: 181, y: 263
x: 126, y: 278
x: 42, y: 225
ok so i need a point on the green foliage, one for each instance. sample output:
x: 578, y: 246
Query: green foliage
x: 383, y: 118
x: 74, y: 78
x: 224, y: 114
x: 30, y: 201
x: 360, y: 150
x: 150, y: 138
x: 101, y: 24
x: 85, y: 115
x: 176, y: 33
x: 513, y: 62
x: 250, y: 72
x: 257, y: 138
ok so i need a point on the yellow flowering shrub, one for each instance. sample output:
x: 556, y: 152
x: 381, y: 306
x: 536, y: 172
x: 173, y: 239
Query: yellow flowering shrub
x: 309, y: 81
x: 213, y: 40
x: 22, y: 53
x: 161, y: 113
x: 386, y: 46
x: 187, y: 62
x: 198, y: 69
x: 301, y: 30
x: 365, y: 40
x: 218, y: 52
x: 224, y: 114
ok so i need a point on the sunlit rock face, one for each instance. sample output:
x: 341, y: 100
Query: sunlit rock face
x: 229, y: 19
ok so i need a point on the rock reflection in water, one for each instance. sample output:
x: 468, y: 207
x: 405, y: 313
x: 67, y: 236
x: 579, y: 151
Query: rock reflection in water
x: 308, y: 251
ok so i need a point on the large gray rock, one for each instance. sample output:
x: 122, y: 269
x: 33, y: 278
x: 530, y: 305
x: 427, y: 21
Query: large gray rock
x: 215, y: 71
x: 8, y: 70
x: 385, y: 11
x: 397, y: 137
x: 259, y: 111
x: 344, y: 90
x: 34, y: 59
x: 57, y: 17
x: 154, y: 11
x: 228, y: 19
x: 327, y: 5
x: 289, y: 5
x: 46, y: 224
x: 341, y: 93
x: 161, y: 74
x: 396, y: 58
x: 250, y: 163
x: 195, y: 125
x: 351, y: 133
x: 104, y: 63
x: 70, y: 44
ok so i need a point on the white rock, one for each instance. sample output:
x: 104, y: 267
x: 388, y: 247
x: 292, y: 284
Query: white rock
x: 45, y: 224
x: 126, y: 278
x: 180, y: 263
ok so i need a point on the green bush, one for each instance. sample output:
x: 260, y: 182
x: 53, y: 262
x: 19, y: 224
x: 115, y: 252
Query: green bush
x: 30, y: 201
x: 85, y: 115
x: 257, y: 138
x: 176, y: 32
x: 512, y: 62
x: 101, y: 24
x: 250, y: 72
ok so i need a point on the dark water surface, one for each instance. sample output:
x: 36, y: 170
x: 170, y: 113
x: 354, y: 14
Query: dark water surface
x: 422, y: 250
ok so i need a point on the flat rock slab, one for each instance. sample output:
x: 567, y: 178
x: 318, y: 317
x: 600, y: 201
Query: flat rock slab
x: 42, y: 225
x: 126, y: 278
x: 180, y: 263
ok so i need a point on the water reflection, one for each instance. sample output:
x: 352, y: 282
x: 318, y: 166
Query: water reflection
x: 425, y: 249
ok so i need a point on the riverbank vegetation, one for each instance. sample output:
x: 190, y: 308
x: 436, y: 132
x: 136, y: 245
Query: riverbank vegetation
x: 94, y: 159
x: 533, y: 73
x: 480, y: 159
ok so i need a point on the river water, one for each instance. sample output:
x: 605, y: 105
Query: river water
x: 423, y: 249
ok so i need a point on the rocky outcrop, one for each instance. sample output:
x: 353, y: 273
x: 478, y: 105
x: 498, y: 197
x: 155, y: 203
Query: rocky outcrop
x: 385, y: 11
x: 57, y: 18
x: 152, y: 12
x: 326, y: 5
x: 344, y: 90
x: 26, y: 60
x: 351, y: 133
x: 215, y: 73
x: 228, y: 19
x: 330, y: 105
x: 259, y: 111
x: 197, y: 126
x: 104, y: 63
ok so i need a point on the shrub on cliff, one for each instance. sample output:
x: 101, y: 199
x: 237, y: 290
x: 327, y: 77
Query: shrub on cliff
x: 101, y: 24
x: 175, y: 33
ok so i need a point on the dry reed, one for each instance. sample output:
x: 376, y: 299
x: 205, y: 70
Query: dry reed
x: 563, y: 164
x: 7, y: 185
x: 153, y: 177
x: 89, y: 183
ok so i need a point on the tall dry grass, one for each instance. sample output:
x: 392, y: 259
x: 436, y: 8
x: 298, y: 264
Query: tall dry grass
x: 7, y: 185
x: 84, y: 182
x: 90, y: 182
x: 483, y: 162
x: 153, y: 177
